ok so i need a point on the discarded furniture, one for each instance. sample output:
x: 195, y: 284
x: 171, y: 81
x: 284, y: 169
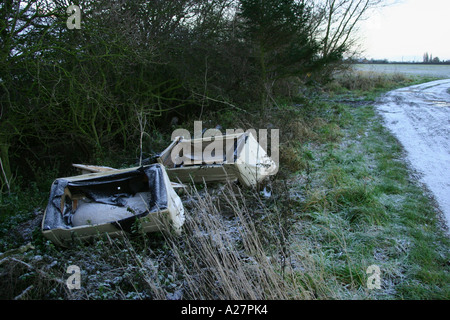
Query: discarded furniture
x: 111, y: 202
x: 218, y: 158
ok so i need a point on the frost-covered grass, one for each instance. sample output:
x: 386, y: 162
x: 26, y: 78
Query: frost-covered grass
x: 364, y: 207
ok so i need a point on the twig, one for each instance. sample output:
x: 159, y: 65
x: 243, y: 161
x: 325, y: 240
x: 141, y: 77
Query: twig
x: 29, y: 266
x: 24, y: 292
x: 205, y: 86
x: 6, y: 178
x: 19, y: 250
x: 223, y: 102
x: 142, y: 119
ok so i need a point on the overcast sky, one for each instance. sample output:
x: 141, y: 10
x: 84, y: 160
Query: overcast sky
x: 408, y: 29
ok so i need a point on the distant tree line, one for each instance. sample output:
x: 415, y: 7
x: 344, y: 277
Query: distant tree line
x: 75, y: 95
x: 427, y: 59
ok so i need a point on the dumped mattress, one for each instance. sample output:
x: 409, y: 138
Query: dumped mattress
x: 111, y: 202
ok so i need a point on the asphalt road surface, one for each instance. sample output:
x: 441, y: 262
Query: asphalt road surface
x: 419, y: 116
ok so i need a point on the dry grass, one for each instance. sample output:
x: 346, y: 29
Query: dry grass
x: 224, y: 258
x: 366, y: 81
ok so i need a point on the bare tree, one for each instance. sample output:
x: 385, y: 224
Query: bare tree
x: 335, y: 21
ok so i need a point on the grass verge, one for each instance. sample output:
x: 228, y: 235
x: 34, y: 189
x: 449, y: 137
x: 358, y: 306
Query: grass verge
x: 362, y: 207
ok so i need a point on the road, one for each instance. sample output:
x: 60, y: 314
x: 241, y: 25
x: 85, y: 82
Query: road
x: 419, y: 116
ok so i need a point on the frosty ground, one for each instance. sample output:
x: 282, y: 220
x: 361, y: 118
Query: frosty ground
x: 419, y: 117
